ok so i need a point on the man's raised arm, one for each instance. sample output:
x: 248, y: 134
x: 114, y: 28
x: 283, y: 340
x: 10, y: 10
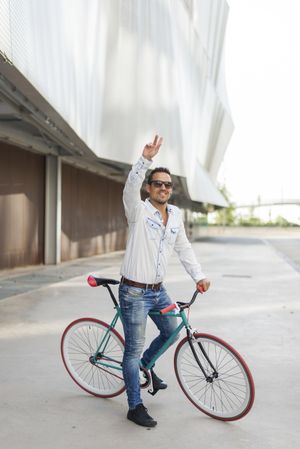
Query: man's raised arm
x: 131, y: 193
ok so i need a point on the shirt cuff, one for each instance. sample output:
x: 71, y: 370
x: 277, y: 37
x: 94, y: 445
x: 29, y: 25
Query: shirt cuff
x: 145, y: 162
x: 198, y: 276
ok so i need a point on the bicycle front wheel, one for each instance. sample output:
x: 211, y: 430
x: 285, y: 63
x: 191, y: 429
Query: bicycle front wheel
x: 98, y: 373
x: 227, y: 390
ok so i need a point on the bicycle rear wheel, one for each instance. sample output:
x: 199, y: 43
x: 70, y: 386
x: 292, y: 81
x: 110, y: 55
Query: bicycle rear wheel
x: 79, y: 343
x: 227, y: 395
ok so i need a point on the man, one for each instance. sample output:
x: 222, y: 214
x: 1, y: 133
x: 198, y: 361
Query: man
x: 155, y: 229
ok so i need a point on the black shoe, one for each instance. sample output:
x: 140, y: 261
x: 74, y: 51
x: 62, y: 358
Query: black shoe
x: 140, y: 416
x: 157, y: 383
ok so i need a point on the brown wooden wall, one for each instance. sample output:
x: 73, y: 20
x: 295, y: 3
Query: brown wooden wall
x: 22, y: 180
x: 93, y: 219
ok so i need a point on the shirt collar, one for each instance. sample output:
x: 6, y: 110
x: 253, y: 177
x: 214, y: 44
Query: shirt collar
x: 156, y: 211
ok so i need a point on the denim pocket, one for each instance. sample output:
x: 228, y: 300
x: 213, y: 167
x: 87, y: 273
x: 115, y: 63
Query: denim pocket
x: 134, y: 292
x: 126, y: 292
x: 131, y: 302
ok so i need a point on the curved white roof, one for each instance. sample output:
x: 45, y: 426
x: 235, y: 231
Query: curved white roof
x: 118, y: 72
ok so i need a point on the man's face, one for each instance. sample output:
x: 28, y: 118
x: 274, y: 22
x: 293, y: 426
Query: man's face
x: 159, y: 193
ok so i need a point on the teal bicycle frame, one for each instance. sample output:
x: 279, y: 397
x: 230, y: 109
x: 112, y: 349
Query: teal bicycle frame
x: 211, y: 373
x: 105, y: 340
x: 106, y: 362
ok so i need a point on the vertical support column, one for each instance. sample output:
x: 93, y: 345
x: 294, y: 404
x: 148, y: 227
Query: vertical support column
x: 53, y: 210
x: 188, y: 223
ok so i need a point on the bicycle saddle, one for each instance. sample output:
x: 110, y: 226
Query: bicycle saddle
x: 94, y: 281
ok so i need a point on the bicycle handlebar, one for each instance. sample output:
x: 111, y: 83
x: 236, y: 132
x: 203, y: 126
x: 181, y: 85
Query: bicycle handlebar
x: 180, y: 305
x: 168, y: 309
x: 94, y: 281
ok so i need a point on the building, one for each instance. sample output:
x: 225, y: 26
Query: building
x: 83, y: 86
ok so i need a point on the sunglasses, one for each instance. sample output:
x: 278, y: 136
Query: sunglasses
x: 168, y: 185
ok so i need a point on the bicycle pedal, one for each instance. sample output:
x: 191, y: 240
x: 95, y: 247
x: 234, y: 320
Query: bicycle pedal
x: 157, y: 383
x: 153, y: 392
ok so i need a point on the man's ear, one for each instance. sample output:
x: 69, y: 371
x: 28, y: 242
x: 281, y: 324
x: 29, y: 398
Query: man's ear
x: 147, y: 187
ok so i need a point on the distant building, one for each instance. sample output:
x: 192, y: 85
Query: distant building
x: 83, y: 86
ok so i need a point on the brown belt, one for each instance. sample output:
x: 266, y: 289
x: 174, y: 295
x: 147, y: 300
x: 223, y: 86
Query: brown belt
x: 140, y: 285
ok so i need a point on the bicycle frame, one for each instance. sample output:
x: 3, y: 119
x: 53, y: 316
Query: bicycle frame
x: 184, y: 324
x: 105, y: 339
x: 210, y: 372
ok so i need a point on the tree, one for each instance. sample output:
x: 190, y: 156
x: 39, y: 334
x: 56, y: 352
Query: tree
x: 225, y: 216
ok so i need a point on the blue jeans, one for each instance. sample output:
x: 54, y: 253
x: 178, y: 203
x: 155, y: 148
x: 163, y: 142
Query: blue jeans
x: 135, y: 305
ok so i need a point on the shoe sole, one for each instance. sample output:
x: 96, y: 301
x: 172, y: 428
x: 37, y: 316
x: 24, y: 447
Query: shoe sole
x: 150, y: 423
x: 159, y: 386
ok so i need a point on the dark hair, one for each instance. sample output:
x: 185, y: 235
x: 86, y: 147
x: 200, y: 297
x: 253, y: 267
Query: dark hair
x: 157, y: 170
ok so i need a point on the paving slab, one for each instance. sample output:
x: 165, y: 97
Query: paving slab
x: 253, y: 304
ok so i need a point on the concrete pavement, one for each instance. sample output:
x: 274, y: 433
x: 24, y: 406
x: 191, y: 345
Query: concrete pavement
x: 253, y: 304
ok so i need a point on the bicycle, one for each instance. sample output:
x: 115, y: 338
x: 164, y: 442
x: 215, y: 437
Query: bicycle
x: 211, y: 373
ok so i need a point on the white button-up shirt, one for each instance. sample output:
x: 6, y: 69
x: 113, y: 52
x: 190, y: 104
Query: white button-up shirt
x: 150, y: 243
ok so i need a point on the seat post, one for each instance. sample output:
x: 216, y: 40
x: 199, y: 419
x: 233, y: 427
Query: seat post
x: 111, y: 295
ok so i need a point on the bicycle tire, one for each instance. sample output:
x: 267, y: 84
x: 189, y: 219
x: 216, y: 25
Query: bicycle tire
x: 79, y: 343
x: 228, y: 397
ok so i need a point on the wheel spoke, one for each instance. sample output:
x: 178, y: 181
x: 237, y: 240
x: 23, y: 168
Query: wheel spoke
x: 79, y: 347
x: 229, y: 395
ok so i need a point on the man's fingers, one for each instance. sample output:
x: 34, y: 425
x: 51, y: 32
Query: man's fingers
x: 153, y: 148
x: 158, y: 145
x: 155, y: 140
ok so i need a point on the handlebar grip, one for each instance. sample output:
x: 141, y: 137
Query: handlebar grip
x: 168, y: 309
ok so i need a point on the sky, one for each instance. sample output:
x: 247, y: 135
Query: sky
x: 262, y: 60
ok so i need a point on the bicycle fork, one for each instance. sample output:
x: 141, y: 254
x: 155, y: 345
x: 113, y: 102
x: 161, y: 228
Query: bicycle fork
x: 209, y: 378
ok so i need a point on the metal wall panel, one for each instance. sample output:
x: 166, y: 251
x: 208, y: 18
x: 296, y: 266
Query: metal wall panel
x: 137, y: 68
x: 22, y: 194
x: 93, y: 219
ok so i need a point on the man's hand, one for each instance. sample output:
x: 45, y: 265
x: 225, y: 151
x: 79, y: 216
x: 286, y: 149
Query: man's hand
x: 151, y: 149
x: 203, y: 285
